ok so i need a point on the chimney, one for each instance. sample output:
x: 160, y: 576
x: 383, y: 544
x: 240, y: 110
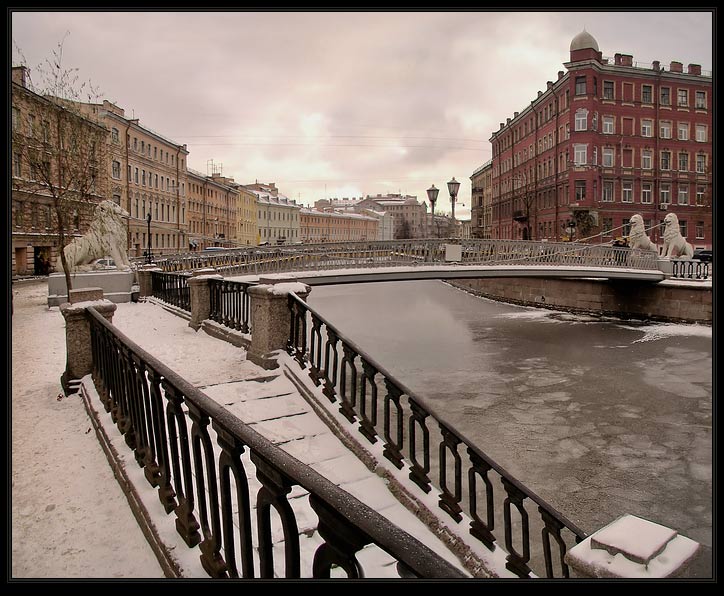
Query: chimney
x: 550, y: 84
x: 657, y: 65
x: 18, y: 74
x: 560, y: 75
x: 515, y: 114
x: 507, y: 120
x: 694, y: 69
x: 676, y: 67
x: 540, y: 93
x: 501, y: 126
x: 617, y: 59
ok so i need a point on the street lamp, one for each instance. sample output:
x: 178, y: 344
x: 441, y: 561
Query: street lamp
x: 148, y: 252
x: 453, y: 187
x: 432, y: 196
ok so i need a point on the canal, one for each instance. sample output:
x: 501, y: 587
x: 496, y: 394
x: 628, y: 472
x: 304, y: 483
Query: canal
x: 599, y: 417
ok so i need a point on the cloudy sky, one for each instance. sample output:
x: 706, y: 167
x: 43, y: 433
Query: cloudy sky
x: 340, y: 103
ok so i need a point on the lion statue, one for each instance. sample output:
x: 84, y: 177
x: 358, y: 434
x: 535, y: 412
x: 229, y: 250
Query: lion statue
x: 637, y: 237
x: 675, y: 245
x: 105, y: 236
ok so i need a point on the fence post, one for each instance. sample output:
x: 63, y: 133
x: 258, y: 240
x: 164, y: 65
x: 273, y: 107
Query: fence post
x: 201, y: 296
x: 145, y: 286
x: 633, y: 547
x: 79, y: 356
x: 271, y: 319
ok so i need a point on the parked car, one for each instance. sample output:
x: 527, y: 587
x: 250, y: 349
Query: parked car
x: 104, y: 263
x: 214, y: 248
x: 704, y: 255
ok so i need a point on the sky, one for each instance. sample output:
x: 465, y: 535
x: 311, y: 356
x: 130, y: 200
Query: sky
x: 341, y: 104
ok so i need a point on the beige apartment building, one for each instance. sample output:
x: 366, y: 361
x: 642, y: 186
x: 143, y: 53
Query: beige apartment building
x: 385, y: 225
x: 409, y: 215
x: 41, y: 159
x: 246, y: 223
x: 330, y: 226
x: 213, y: 210
x: 277, y: 215
x: 482, y: 196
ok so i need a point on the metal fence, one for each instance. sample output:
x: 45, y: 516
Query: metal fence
x: 172, y: 288
x: 419, y: 440
x: 199, y: 457
x: 367, y: 255
x: 230, y: 304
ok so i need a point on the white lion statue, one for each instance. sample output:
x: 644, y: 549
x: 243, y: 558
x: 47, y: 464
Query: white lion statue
x: 637, y: 236
x: 675, y: 245
x: 105, y: 236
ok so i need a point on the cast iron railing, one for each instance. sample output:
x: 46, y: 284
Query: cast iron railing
x: 170, y: 426
x: 366, y: 255
x: 417, y: 438
x: 689, y: 269
x: 172, y: 288
x: 230, y: 304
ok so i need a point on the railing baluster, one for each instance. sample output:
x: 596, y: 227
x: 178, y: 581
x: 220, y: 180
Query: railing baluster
x: 394, y: 444
x: 331, y: 365
x: 368, y: 411
x: 348, y: 392
x: 517, y: 562
x: 450, y: 501
x: 482, y: 530
x: 419, y: 473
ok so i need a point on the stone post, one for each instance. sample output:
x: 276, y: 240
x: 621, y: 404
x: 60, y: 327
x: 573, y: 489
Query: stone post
x: 145, y: 285
x: 201, y: 296
x: 79, y: 357
x: 271, y: 319
x: 633, y: 547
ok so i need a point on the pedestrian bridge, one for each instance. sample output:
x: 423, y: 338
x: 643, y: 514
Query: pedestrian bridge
x: 356, y: 262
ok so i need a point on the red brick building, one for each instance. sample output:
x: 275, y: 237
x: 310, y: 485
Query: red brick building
x: 607, y: 139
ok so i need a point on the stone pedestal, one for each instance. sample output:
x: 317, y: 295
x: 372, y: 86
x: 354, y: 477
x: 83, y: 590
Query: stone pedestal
x: 145, y: 285
x: 200, y: 297
x: 633, y: 547
x: 79, y: 357
x: 271, y: 319
x: 117, y: 285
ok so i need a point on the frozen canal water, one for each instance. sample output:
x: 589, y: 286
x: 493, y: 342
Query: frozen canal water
x: 599, y: 417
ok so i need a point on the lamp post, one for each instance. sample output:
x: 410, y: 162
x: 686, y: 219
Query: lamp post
x: 453, y: 187
x: 148, y: 252
x: 432, y: 196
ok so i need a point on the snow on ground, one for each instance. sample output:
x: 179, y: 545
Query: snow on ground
x: 70, y: 518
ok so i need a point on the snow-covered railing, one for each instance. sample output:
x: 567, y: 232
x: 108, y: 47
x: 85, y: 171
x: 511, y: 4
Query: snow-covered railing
x: 377, y: 254
x: 418, y: 439
x: 229, y: 304
x: 200, y: 458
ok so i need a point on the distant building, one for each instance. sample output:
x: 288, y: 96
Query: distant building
x: 213, y: 210
x: 334, y: 226
x: 386, y: 225
x: 277, y: 215
x: 482, y: 193
x: 409, y: 215
x: 607, y: 139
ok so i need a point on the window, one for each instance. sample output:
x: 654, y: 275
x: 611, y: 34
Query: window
x: 608, y: 92
x: 646, y: 194
x: 683, y: 162
x: 701, y: 163
x: 682, y: 98
x: 580, y: 85
x: 579, y: 154
x: 114, y: 135
x: 568, y: 130
x: 581, y: 121
x: 17, y: 170
x: 116, y: 171
x: 143, y: 177
x: 683, y: 131
x: 31, y: 125
x: 645, y: 159
x: 701, y: 133
x: 665, y: 130
x: 580, y: 190
x: 607, y: 157
x: 701, y: 100
x: 647, y: 94
x: 45, y: 128
x: 143, y: 146
x: 700, y: 190
x: 627, y: 191
x: 607, y: 191
x: 665, y: 193
x: 666, y: 160
x: 683, y: 227
x: 608, y: 125
x: 135, y: 175
x: 647, y: 128
x: 665, y: 96
x: 699, y: 230
x: 16, y: 118
x: 683, y: 197
x: 135, y: 144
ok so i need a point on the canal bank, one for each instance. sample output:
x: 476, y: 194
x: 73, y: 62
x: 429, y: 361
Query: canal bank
x: 675, y: 301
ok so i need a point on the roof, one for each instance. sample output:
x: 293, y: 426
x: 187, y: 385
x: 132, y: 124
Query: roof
x: 584, y: 40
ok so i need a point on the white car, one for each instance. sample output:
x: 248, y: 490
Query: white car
x: 104, y: 263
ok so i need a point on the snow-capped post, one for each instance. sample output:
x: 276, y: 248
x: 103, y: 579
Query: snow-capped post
x: 79, y: 357
x: 271, y: 318
x: 201, y: 296
x: 633, y: 547
x: 145, y: 282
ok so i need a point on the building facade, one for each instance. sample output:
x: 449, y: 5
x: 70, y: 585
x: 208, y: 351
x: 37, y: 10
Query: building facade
x: 332, y: 226
x: 278, y: 220
x: 58, y: 163
x: 408, y: 214
x: 246, y: 223
x: 481, y: 197
x: 607, y: 139
x: 213, y: 210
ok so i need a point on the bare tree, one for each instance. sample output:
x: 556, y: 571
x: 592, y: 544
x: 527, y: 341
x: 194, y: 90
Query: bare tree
x: 59, y: 153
